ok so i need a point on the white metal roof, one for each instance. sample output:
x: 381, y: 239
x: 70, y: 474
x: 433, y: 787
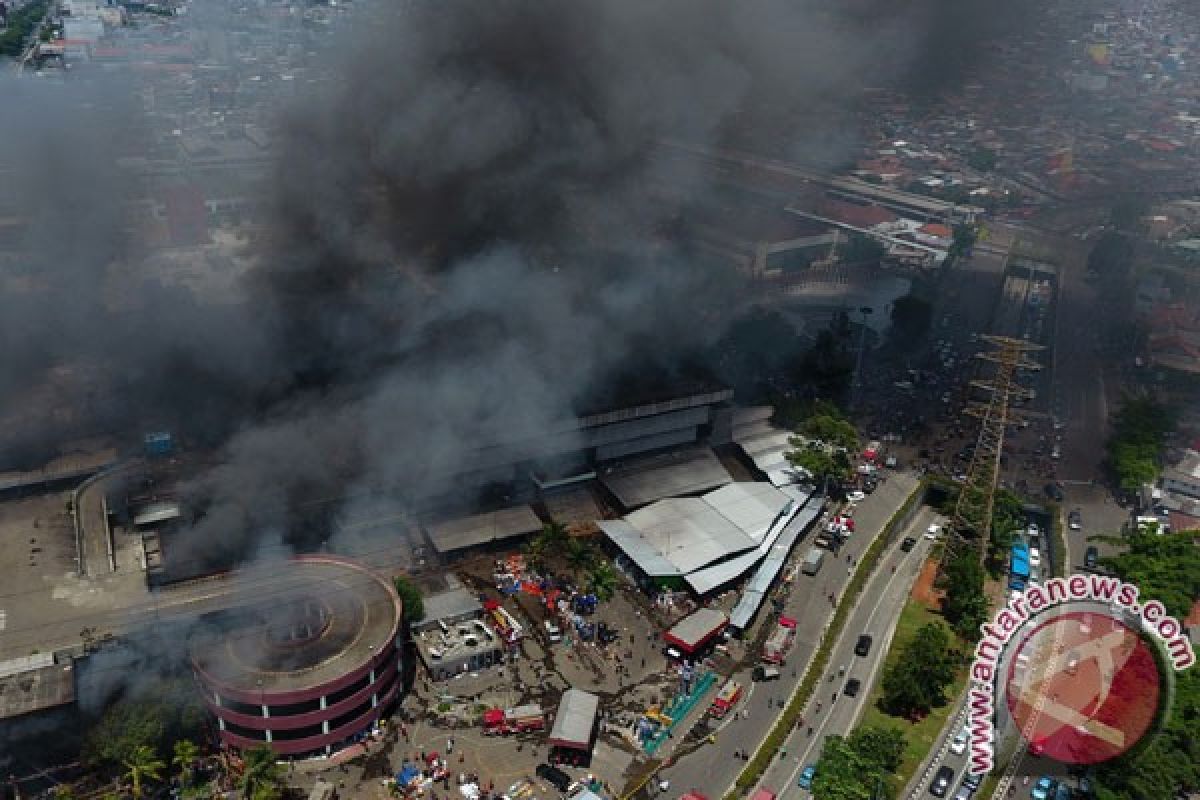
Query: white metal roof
x: 698, y: 624
x: 157, y: 512
x: 760, y: 583
x: 638, y: 549
x: 456, y: 534
x: 575, y: 718
x: 751, y: 506
x: 689, y: 532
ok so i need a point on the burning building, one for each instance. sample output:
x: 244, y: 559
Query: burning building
x: 307, y: 666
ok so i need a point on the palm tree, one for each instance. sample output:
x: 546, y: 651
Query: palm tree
x: 186, y: 754
x: 604, y: 580
x: 143, y: 763
x: 260, y: 774
x: 580, y: 555
x: 64, y: 791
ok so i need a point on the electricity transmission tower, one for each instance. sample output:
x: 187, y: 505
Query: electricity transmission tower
x: 973, y: 511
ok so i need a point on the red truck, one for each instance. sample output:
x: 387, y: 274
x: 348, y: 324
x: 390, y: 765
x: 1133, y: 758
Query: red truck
x: 503, y: 721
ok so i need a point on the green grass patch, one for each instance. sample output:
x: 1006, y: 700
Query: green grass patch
x: 812, y: 674
x: 920, y: 737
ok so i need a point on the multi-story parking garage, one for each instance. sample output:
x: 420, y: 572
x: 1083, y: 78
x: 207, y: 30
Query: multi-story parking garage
x: 306, y: 665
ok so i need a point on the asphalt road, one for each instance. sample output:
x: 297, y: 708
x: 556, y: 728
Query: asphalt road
x: 713, y: 768
x: 830, y: 711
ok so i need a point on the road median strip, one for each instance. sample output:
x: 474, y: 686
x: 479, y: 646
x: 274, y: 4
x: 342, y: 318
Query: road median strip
x: 774, y: 740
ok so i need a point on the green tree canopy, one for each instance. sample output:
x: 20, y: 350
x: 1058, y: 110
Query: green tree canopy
x: 155, y: 716
x: 261, y: 777
x: 832, y: 429
x: 1136, y: 447
x: 143, y: 765
x: 1112, y: 254
x: 860, y: 249
x: 917, y: 680
x: 982, y: 159
x: 184, y: 758
x: 1165, y: 566
x: 965, y: 605
x: 911, y: 317
x: 410, y: 598
x: 857, y: 767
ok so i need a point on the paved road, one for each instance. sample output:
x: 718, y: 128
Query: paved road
x: 831, y: 711
x: 712, y: 768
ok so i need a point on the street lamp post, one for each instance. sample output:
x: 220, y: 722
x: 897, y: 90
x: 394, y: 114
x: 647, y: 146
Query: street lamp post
x: 856, y: 386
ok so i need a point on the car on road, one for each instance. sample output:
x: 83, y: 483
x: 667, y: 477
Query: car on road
x: 856, y: 496
x: 1043, y: 788
x: 764, y: 673
x: 963, y: 793
x: 1035, y: 557
x: 1075, y: 520
x: 932, y: 531
x: 863, y: 645
x: 972, y: 781
x: 1091, y: 558
x: 908, y: 544
x: 806, y: 776
x: 959, y: 745
x: 852, y: 687
x: 941, y: 782
x: 1054, y: 493
x: 554, y: 776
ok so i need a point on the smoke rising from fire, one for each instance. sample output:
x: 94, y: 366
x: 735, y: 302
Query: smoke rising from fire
x: 471, y: 229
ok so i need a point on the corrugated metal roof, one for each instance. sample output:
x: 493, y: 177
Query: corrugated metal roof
x: 689, y: 472
x: 575, y: 719
x: 767, y: 572
x: 689, y: 532
x: 751, y: 506
x: 640, y: 551
x: 456, y: 534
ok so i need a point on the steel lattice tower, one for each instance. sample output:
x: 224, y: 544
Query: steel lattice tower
x: 973, y: 511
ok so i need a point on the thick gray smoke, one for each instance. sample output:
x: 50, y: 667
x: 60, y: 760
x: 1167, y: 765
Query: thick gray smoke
x: 471, y: 232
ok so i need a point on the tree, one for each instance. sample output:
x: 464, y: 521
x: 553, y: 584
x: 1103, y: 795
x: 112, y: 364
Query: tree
x: 1165, y: 566
x: 581, y: 556
x: 821, y: 463
x: 832, y: 429
x: 184, y: 760
x: 603, y: 580
x: 911, y: 317
x: 1136, y: 447
x: 964, y: 240
x: 856, y: 768
x: 881, y: 747
x: 410, y: 599
x: 982, y: 159
x: 965, y: 605
x: 1111, y: 255
x: 917, y: 680
x: 64, y: 791
x: 261, y: 776
x: 860, y: 249
x: 143, y: 764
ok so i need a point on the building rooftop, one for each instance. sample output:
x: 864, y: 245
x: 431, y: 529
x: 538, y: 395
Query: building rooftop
x: 680, y: 473
x: 575, y: 719
x: 296, y: 627
x: 457, y: 534
x: 34, y: 683
x: 453, y: 604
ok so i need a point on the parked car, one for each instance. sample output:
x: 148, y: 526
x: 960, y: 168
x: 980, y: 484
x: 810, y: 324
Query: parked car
x: 1075, y: 520
x: 806, y: 777
x: 1054, y: 493
x: 852, y: 687
x: 1042, y: 789
x: 972, y: 781
x: 554, y: 776
x: 908, y: 544
x: 959, y: 745
x: 1091, y: 558
x: 765, y: 673
x: 863, y: 645
x: 856, y: 496
x: 941, y: 782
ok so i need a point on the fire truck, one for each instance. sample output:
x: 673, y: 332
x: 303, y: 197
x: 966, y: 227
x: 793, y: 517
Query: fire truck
x: 501, y: 722
x: 780, y: 641
x: 509, y: 629
x: 726, y: 699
